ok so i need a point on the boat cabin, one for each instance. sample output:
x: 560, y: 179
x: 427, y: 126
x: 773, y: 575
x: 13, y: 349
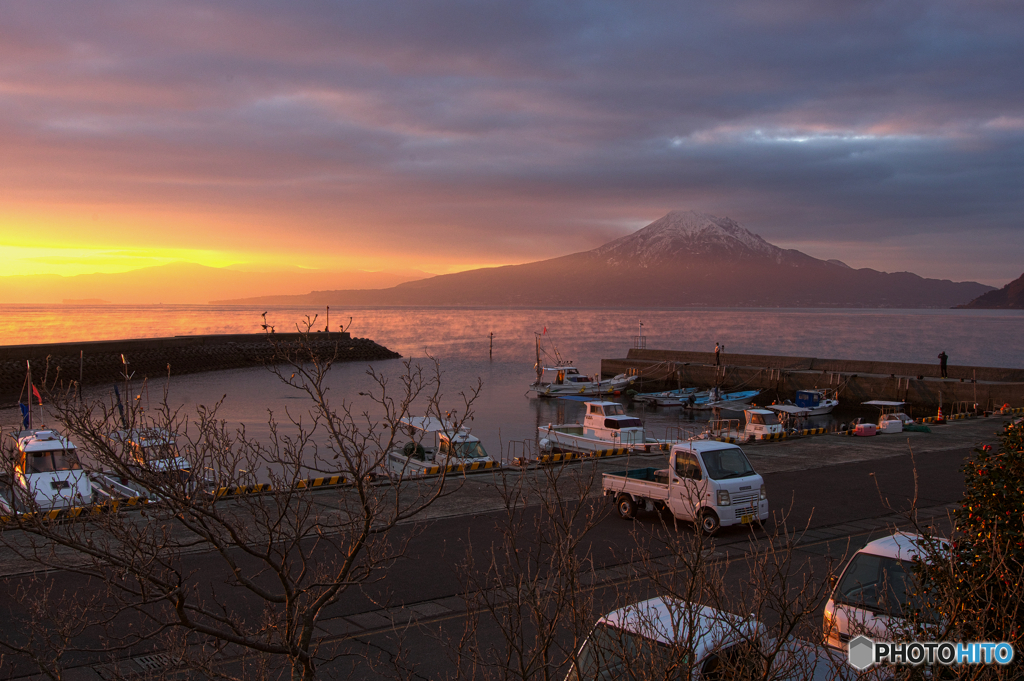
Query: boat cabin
x: 562, y: 375
x: 761, y: 422
x: 433, y: 442
x: 155, y: 449
x: 609, y: 421
x: 48, y: 473
x: 809, y: 399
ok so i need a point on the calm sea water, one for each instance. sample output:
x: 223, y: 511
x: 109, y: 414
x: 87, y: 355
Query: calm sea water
x: 459, y: 339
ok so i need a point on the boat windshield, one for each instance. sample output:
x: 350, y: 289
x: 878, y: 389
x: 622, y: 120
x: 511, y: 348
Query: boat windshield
x: 611, y: 653
x: 723, y: 464
x: 764, y: 419
x: 160, y: 452
x: 51, y: 461
x: 613, y: 410
x: 465, y: 450
x: 876, y: 583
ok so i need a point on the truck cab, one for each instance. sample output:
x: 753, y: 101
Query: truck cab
x: 609, y: 421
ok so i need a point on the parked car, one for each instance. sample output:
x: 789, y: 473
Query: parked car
x: 875, y: 588
x: 667, y: 638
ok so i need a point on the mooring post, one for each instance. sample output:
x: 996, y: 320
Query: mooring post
x: 490, y: 351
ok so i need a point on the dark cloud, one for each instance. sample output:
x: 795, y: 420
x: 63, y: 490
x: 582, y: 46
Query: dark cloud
x: 516, y: 131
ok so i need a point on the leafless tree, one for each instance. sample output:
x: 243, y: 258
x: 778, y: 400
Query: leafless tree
x: 248, y: 551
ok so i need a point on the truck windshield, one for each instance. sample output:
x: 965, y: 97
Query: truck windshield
x: 876, y: 583
x: 723, y: 464
x: 611, y: 653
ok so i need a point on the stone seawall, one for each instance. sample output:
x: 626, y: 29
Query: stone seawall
x: 100, y: 361
x: 920, y: 385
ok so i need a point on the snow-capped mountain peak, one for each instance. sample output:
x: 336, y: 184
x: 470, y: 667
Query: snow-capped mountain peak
x: 682, y: 233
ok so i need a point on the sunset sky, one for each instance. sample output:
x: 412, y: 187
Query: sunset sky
x: 441, y: 135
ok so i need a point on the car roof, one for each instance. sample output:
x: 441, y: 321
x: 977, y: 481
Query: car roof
x: 901, y: 546
x: 706, y: 445
x: 665, y: 620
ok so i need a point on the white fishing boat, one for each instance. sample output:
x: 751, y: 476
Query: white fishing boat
x: 891, y: 417
x: 46, y: 474
x: 759, y: 424
x: 149, y: 456
x: 719, y: 399
x: 605, y: 426
x: 434, y: 446
x: 562, y: 379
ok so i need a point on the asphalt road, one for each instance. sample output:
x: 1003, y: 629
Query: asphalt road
x: 429, y: 572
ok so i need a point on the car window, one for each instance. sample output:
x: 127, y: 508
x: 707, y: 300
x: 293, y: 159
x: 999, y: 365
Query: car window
x: 876, y: 583
x: 687, y: 466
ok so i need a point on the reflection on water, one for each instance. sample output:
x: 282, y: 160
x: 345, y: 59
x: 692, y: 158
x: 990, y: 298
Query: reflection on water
x: 459, y: 339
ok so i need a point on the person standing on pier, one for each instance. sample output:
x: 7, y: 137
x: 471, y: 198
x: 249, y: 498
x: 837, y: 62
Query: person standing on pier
x: 943, y: 358
x: 718, y: 350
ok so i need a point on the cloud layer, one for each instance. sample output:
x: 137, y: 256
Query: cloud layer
x: 441, y: 133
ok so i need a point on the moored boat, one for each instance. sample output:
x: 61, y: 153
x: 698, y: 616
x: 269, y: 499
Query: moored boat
x: 606, y: 426
x: 435, y: 445
x: 46, y: 474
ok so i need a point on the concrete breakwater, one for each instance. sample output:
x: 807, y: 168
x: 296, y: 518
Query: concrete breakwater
x: 97, y: 362
x: 920, y: 385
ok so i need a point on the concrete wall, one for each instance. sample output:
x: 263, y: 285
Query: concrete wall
x: 780, y: 377
x: 100, y: 361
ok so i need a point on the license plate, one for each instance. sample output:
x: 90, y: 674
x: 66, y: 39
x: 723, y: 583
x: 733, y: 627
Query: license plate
x: 747, y: 519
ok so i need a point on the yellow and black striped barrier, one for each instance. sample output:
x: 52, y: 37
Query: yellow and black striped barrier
x: 813, y: 431
x: 241, y: 490
x: 322, y: 482
x: 462, y: 468
x: 618, y: 451
x: 765, y: 437
x: 76, y: 512
x: 561, y: 457
x: 725, y: 438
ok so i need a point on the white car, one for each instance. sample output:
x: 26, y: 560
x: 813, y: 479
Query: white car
x: 875, y: 587
x: 658, y: 637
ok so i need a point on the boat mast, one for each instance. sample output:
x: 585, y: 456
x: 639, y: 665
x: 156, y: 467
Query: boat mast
x: 539, y: 370
x: 28, y: 365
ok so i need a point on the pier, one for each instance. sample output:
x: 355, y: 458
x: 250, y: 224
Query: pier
x: 96, y: 362
x: 779, y: 377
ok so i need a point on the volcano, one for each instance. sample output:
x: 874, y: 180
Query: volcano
x: 684, y: 259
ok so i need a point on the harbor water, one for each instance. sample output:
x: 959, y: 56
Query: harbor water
x: 460, y: 340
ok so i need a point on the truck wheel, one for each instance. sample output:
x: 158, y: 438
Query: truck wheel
x: 627, y: 507
x: 709, y: 523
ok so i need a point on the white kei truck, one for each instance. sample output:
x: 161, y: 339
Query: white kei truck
x: 707, y: 482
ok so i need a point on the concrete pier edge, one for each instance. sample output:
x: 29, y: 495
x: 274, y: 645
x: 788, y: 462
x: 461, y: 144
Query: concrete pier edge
x: 97, y: 362
x: 780, y: 376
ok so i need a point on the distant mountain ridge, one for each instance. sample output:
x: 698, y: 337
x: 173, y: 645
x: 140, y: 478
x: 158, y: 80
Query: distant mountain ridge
x: 182, y: 283
x: 684, y: 259
x: 1010, y: 297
